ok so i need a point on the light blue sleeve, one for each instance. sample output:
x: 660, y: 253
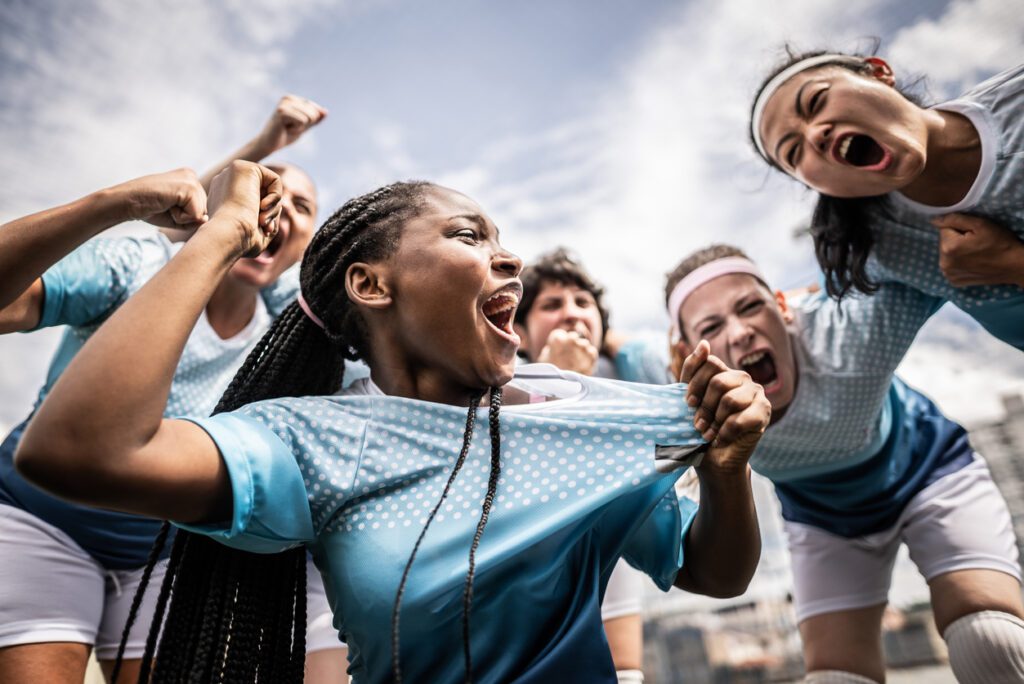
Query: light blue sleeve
x: 640, y: 360
x: 270, y: 509
x: 656, y: 547
x: 88, y: 284
x: 282, y: 292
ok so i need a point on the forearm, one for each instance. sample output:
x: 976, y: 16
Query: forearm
x: 32, y: 244
x: 111, y: 398
x: 255, y: 151
x: 723, y: 544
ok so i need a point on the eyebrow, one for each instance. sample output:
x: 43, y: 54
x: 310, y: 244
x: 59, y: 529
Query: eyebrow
x: 704, y: 320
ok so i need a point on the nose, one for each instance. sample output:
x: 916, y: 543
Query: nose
x: 507, y: 263
x: 739, y: 334
x: 820, y: 136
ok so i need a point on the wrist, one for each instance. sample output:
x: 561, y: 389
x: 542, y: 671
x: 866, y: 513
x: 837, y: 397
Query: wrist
x: 112, y: 206
x: 225, y: 236
x: 719, y: 476
x: 257, y: 149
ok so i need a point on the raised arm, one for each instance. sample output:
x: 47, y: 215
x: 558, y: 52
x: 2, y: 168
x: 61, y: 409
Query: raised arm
x: 100, y: 438
x: 32, y: 244
x: 292, y: 117
x: 723, y: 544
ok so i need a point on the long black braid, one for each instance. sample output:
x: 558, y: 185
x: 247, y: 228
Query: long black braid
x: 240, y: 617
x: 494, y: 425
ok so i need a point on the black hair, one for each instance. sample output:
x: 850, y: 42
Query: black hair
x: 694, y: 261
x: 558, y: 266
x: 840, y: 226
x: 241, y: 617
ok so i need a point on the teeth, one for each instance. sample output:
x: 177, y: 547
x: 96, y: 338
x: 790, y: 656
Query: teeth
x: 844, y: 146
x: 750, y: 359
x: 503, y: 301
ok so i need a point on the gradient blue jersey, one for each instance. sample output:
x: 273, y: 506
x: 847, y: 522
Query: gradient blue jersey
x: 83, y: 290
x: 354, y: 477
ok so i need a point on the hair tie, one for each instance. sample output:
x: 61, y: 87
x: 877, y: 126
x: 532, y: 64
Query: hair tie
x: 309, y: 312
x: 776, y: 82
x: 701, y: 275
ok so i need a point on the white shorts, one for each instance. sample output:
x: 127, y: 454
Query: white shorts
x: 959, y: 522
x: 53, y: 590
x: 624, y: 593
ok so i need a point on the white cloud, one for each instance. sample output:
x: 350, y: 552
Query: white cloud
x: 971, y: 39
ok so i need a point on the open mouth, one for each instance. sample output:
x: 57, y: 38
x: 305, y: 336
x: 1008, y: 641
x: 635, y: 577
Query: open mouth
x: 760, y: 366
x: 267, y: 255
x: 500, y: 309
x: 861, y: 151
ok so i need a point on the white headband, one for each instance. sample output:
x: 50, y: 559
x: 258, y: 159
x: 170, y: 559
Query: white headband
x: 699, y: 276
x: 776, y: 83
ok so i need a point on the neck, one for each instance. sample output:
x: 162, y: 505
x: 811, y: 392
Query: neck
x: 401, y: 380
x: 952, y: 161
x: 231, y: 307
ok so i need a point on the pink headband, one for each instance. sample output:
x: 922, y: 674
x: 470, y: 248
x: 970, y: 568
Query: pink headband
x: 709, y: 271
x: 309, y: 312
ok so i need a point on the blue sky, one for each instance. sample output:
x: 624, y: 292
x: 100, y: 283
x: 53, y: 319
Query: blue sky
x: 616, y: 128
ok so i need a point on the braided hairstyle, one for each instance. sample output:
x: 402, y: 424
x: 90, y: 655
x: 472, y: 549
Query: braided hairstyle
x: 241, y: 617
x: 234, y: 616
x: 841, y: 226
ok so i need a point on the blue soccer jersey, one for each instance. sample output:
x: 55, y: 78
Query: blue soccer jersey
x: 354, y: 477
x: 906, y: 246
x: 81, y: 291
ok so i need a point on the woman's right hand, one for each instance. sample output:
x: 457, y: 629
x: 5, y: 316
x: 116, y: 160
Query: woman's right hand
x: 245, y: 199
x: 174, y: 199
x: 976, y: 251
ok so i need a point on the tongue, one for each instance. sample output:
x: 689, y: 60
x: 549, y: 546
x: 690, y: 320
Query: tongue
x: 762, y: 372
x: 864, y: 151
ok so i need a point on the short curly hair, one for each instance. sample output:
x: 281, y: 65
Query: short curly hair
x: 558, y: 266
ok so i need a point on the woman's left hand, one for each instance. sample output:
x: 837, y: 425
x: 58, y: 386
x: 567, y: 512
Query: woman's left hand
x: 730, y: 410
x: 976, y: 251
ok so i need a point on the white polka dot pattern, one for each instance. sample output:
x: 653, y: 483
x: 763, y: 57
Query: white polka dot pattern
x: 846, y: 355
x: 907, y: 245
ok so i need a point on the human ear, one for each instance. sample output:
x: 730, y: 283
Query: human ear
x: 881, y: 70
x: 784, y: 309
x: 366, y: 286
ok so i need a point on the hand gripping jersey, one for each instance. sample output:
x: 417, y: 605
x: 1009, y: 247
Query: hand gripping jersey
x: 83, y: 290
x: 354, y: 477
x: 906, y: 246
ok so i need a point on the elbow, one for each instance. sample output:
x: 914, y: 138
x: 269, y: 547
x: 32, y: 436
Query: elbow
x: 728, y: 588
x: 54, y: 464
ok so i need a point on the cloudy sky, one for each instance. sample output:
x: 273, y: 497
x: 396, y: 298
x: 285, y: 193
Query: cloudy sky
x: 616, y: 128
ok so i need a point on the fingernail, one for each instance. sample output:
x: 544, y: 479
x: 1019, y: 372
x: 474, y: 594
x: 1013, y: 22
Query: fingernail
x: 692, y: 400
x: 701, y: 425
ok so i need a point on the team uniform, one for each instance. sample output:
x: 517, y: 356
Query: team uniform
x: 906, y: 248
x: 624, y: 594
x: 353, y: 477
x: 861, y: 461
x: 98, y: 554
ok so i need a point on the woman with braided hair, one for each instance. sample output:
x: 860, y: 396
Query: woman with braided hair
x: 426, y: 537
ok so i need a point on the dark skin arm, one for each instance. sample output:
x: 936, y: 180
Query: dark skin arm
x: 723, y: 544
x: 100, y: 437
